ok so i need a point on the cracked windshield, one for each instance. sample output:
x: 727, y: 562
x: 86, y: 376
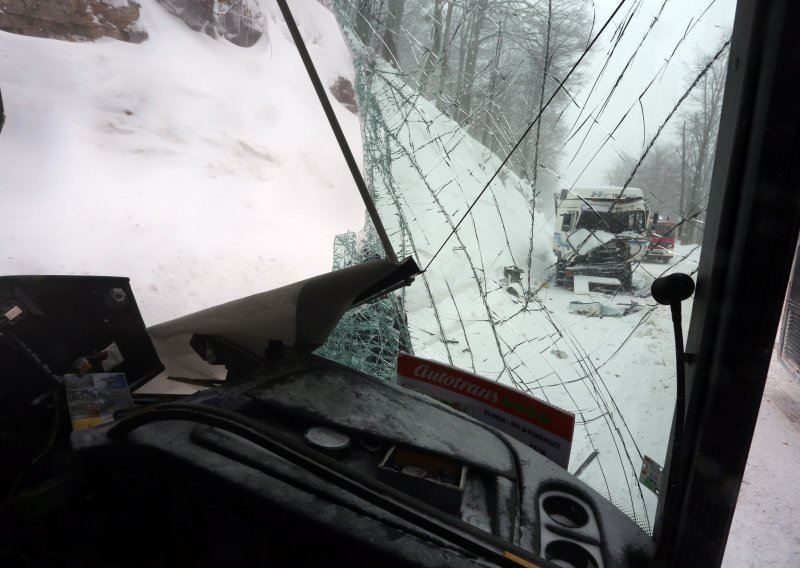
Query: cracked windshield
x: 543, y: 161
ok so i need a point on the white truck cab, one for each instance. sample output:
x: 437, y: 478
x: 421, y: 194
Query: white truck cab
x: 599, y: 231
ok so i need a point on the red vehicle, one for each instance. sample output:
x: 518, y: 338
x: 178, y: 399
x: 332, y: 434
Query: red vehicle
x: 662, y: 241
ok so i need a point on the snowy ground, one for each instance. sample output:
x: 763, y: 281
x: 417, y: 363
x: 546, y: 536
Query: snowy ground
x: 764, y: 530
x: 201, y: 170
x: 205, y: 172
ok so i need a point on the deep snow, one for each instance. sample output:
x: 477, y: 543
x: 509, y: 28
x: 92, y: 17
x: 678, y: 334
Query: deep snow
x: 201, y: 170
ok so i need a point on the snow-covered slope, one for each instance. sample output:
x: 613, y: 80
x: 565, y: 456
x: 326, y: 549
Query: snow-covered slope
x: 201, y: 170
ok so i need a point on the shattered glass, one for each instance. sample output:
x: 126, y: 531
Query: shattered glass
x: 479, y: 119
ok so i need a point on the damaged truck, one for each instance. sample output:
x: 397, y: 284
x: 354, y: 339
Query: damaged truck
x: 599, y: 234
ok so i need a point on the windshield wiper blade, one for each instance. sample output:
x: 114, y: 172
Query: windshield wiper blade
x: 337, y: 131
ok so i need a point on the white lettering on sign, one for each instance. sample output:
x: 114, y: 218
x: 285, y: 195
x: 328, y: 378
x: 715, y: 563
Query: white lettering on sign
x: 457, y: 383
x: 539, y: 425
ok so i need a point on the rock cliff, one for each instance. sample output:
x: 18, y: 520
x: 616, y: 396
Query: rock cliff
x: 238, y: 21
x: 73, y: 20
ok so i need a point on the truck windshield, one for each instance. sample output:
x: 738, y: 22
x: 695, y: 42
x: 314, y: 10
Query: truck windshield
x: 612, y: 222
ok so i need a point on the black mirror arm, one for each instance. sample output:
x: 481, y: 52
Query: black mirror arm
x: 672, y: 290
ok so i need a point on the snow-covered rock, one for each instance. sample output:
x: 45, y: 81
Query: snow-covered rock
x: 73, y: 20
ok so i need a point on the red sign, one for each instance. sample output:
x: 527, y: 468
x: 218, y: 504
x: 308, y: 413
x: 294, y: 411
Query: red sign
x: 540, y: 425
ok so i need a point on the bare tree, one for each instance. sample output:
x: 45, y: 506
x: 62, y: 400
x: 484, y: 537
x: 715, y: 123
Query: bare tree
x: 491, y: 65
x: 659, y: 176
x: 702, y: 124
x: 676, y: 176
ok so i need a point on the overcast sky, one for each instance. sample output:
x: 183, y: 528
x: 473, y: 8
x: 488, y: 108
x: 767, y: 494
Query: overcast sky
x: 708, y: 22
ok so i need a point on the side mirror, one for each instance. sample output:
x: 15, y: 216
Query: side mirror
x: 2, y: 113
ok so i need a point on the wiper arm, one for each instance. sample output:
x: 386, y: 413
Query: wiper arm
x: 337, y: 131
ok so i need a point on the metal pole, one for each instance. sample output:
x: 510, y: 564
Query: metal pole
x: 337, y: 130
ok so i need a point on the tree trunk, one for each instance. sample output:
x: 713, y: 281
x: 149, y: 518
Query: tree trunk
x: 435, y: 52
x: 471, y: 59
x: 445, y: 66
x: 488, y: 136
x: 462, y: 50
x: 545, y: 69
x: 394, y: 21
x: 362, y: 17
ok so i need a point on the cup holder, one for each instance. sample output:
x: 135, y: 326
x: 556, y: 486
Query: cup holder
x: 569, y: 555
x: 565, y: 511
